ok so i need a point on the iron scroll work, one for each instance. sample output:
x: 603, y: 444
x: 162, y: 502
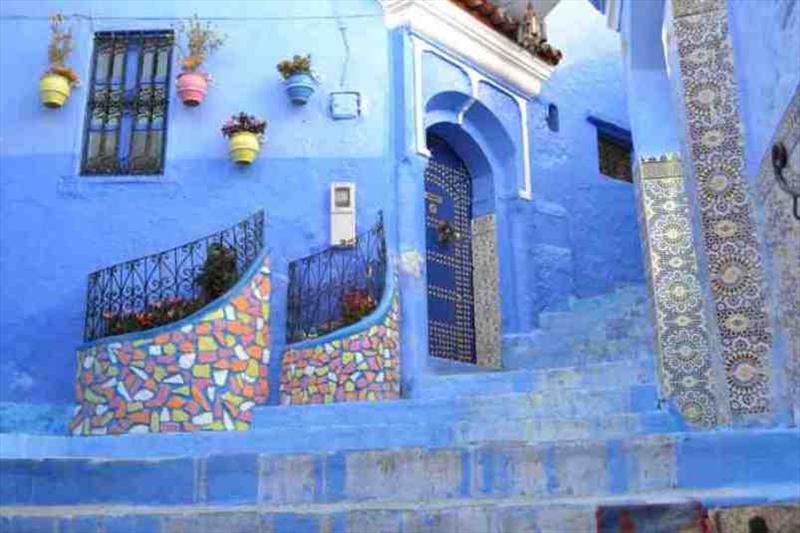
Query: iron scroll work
x: 167, y: 279
x: 126, y: 112
x: 320, y: 284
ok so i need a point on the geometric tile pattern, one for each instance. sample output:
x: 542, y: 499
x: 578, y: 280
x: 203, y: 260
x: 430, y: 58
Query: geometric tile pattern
x: 364, y: 366
x: 782, y: 239
x: 206, y: 374
x: 685, y: 365
x: 486, y: 291
x: 715, y: 140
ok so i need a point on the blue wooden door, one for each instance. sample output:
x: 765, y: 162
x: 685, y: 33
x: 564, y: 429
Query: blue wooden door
x: 448, y: 203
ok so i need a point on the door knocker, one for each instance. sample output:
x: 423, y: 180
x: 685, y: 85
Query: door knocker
x: 446, y: 232
x: 780, y: 160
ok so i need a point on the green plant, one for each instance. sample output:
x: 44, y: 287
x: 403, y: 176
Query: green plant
x: 59, y: 49
x: 202, y: 39
x: 297, y: 65
x: 356, y: 304
x: 244, y: 122
x: 219, y: 271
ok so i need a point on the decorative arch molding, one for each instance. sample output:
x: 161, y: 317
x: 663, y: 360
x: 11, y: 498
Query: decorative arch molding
x: 420, y: 47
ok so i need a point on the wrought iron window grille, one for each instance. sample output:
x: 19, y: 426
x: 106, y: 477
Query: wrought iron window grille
x: 126, y: 111
x: 168, y: 283
x: 320, y: 283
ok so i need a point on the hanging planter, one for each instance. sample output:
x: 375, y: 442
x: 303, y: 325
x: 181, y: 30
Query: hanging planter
x: 57, y: 81
x: 245, y: 135
x: 300, y: 80
x: 201, y: 41
x: 192, y: 88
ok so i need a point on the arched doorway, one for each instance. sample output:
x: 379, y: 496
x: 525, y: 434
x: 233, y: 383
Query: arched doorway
x: 448, y: 240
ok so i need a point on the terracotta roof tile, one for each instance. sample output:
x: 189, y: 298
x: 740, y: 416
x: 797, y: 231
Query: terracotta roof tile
x: 496, y: 18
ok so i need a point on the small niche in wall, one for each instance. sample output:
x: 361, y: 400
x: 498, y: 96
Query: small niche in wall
x: 552, y: 117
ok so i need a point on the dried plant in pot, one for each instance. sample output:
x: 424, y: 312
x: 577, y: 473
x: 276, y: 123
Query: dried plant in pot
x: 57, y: 81
x: 245, y: 135
x: 197, y: 40
x: 299, y: 78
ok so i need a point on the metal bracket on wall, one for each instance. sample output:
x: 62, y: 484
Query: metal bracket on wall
x: 780, y: 160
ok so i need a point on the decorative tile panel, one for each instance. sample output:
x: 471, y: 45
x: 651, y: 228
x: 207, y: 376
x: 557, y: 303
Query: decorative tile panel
x: 205, y: 373
x: 715, y: 141
x: 486, y: 290
x: 364, y: 366
x: 685, y: 366
x: 782, y: 240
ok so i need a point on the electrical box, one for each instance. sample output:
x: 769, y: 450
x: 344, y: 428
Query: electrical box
x: 345, y: 105
x: 343, y: 213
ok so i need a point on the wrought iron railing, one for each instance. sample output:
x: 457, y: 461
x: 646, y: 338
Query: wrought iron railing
x: 168, y: 286
x: 337, y: 286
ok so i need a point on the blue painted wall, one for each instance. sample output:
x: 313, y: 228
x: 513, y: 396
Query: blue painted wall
x: 600, y: 211
x: 578, y: 237
x: 57, y: 226
x: 766, y: 43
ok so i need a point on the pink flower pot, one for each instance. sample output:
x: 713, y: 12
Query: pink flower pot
x: 192, y: 88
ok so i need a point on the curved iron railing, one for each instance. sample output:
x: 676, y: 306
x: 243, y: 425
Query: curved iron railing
x: 325, y: 287
x: 166, y: 286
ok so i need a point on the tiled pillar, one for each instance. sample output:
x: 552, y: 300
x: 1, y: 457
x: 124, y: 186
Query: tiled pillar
x: 731, y: 266
x: 686, y: 366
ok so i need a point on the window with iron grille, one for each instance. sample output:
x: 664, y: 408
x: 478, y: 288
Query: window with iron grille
x: 126, y: 114
x: 614, y: 157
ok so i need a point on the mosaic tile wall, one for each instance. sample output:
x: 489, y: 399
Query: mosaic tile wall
x: 685, y: 365
x: 364, y: 366
x: 782, y: 236
x: 486, y: 291
x: 205, y: 375
x: 715, y: 140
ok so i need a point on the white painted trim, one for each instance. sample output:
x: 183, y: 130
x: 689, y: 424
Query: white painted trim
x: 443, y: 22
x: 420, y: 46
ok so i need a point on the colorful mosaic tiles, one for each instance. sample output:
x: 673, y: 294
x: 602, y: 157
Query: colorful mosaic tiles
x: 362, y: 367
x: 683, y: 340
x: 205, y: 375
x: 715, y: 139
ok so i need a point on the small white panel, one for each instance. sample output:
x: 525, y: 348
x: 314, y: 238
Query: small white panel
x: 345, y: 105
x: 343, y: 213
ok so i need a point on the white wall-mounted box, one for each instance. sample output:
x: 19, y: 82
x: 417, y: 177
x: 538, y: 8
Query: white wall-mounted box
x: 343, y: 213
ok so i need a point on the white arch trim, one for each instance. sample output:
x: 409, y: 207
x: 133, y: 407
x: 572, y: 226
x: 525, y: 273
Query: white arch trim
x: 420, y: 47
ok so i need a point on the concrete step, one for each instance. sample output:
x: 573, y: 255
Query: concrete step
x: 548, y: 403
x: 492, y: 515
x: 548, y: 349
x: 623, y: 373
x: 340, y: 435
x: 545, y: 471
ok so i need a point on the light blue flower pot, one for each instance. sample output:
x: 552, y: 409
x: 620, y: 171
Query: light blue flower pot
x: 300, y: 87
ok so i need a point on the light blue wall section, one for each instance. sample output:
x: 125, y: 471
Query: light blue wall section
x: 766, y: 42
x: 650, y: 101
x: 597, y: 213
x: 57, y: 226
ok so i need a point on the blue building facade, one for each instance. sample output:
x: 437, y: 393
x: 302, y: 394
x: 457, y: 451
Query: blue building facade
x: 575, y: 278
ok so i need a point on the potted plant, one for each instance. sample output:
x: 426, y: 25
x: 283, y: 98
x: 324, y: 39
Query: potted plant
x: 201, y: 41
x: 219, y: 271
x: 356, y: 304
x: 245, y: 135
x: 300, y: 80
x: 58, y: 79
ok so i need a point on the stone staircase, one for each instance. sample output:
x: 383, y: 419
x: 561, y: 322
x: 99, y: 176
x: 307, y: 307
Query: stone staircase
x: 574, y: 425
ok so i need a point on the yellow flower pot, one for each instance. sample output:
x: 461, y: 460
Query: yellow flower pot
x: 243, y: 147
x: 54, y: 90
